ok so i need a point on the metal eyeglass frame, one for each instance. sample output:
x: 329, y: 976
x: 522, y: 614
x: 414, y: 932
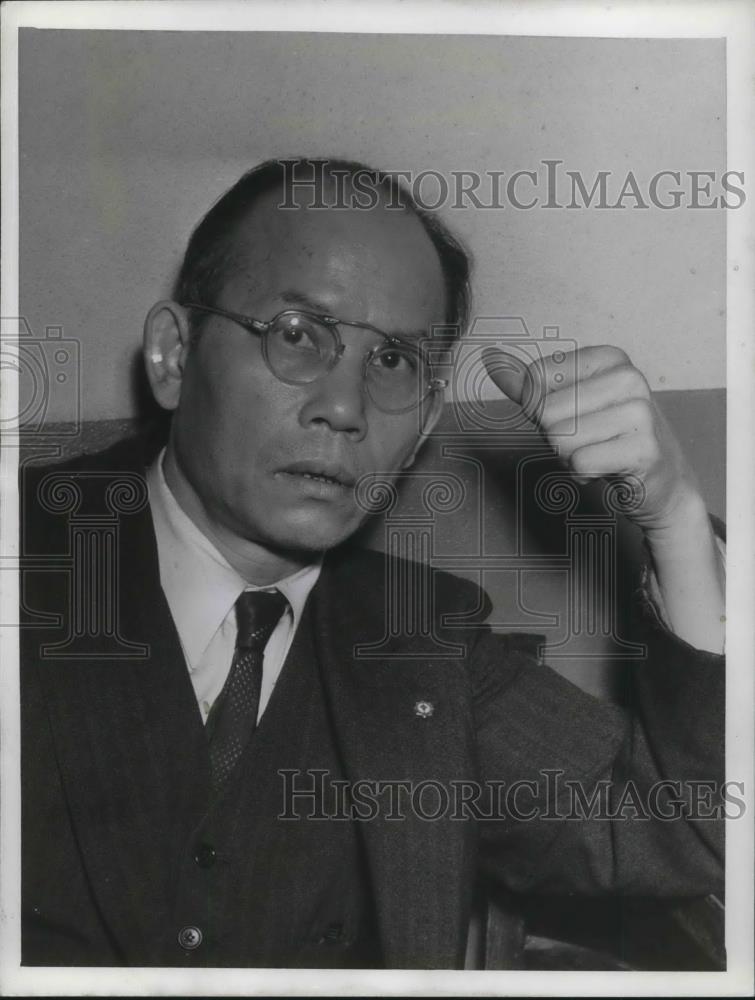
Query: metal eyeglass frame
x: 261, y: 327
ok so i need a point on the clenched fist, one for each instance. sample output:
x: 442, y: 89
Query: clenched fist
x: 601, y: 419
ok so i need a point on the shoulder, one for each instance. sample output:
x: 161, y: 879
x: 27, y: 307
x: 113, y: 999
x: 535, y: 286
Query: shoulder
x: 129, y: 454
x: 128, y: 457
x: 368, y: 575
x: 99, y: 483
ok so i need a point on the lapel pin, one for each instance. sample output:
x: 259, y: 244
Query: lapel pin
x: 424, y: 709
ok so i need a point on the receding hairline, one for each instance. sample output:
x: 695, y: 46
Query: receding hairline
x: 211, y: 256
x: 242, y: 234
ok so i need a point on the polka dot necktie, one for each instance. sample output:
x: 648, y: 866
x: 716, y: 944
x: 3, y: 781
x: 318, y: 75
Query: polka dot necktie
x: 233, y: 716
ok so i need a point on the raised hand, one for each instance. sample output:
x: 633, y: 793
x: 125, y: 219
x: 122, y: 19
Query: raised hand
x: 599, y: 416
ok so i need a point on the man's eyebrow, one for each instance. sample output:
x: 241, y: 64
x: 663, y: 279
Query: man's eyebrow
x: 295, y: 298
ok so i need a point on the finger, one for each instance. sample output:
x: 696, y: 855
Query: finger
x: 559, y: 370
x: 599, y: 392
x: 532, y: 384
x: 634, y: 417
x: 620, y: 456
x: 562, y: 369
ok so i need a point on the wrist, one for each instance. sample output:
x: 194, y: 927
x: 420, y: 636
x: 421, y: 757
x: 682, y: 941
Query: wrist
x: 682, y: 525
x: 690, y: 575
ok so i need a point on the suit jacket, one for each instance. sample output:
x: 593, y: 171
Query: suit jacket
x: 103, y: 768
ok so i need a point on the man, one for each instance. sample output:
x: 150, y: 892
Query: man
x: 155, y: 830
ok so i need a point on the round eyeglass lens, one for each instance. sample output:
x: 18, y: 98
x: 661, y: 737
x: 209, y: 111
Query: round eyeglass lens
x: 299, y: 349
x: 396, y: 378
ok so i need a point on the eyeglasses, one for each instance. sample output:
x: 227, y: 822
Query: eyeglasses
x: 301, y: 347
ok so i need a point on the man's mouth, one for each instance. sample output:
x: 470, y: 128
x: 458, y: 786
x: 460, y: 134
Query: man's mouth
x: 331, y: 474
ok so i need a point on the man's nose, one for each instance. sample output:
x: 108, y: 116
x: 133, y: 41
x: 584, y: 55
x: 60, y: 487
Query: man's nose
x: 338, y: 399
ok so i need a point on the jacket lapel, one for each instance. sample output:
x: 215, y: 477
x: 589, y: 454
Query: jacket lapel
x: 129, y: 742
x: 422, y: 869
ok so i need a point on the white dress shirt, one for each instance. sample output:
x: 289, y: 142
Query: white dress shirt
x: 202, y: 587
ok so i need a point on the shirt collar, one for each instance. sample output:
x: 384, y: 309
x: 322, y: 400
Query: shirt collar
x: 199, y: 583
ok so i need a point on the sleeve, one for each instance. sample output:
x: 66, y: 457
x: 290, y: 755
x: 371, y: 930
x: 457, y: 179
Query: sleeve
x: 592, y: 798
x: 650, y: 589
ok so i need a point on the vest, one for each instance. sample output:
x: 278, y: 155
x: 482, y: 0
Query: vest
x: 273, y: 881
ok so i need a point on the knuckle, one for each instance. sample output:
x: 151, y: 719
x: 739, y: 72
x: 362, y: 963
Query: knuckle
x: 565, y: 449
x: 640, y: 414
x: 653, y: 452
x: 580, y: 460
x: 633, y: 382
x: 615, y: 355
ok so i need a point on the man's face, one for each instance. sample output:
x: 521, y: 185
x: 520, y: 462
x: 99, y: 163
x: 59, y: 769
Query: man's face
x: 250, y: 445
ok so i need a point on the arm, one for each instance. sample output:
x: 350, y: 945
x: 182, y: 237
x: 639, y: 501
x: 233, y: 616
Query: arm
x: 602, y: 421
x: 617, y: 801
x: 635, y: 839
x: 690, y: 576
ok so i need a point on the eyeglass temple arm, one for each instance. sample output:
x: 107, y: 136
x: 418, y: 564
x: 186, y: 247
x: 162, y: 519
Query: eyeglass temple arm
x: 246, y: 321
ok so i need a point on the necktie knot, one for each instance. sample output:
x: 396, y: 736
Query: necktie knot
x: 257, y: 614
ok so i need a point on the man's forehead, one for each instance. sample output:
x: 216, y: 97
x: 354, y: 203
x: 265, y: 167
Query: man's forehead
x: 373, y: 226
x: 323, y: 258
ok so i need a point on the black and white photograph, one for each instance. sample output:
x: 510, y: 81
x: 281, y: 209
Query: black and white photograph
x: 371, y: 559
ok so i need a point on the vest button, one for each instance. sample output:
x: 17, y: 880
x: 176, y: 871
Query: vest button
x: 190, y: 938
x: 205, y: 855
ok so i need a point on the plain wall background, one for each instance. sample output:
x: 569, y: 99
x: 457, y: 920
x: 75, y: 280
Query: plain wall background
x: 128, y: 137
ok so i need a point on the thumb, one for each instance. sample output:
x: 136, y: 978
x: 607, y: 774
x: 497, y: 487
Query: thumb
x: 510, y: 373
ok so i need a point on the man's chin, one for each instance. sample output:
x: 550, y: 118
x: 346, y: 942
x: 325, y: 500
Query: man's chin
x: 312, y: 535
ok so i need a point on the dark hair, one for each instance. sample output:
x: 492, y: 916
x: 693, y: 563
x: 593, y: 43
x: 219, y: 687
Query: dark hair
x: 212, y: 252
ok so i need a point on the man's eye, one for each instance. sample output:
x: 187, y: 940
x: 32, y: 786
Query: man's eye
x: 401, y: 362
x: 299, y: 336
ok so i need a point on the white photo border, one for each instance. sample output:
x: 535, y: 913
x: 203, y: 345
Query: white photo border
x: 733, y: 20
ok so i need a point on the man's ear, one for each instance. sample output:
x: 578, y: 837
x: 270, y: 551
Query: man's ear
x: 430, y: 417
x: 166, y: 343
